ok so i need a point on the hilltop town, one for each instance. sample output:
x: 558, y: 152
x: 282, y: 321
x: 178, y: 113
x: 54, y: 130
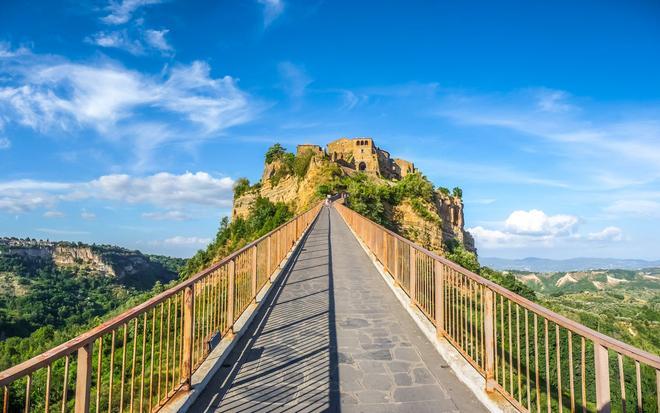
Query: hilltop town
x: 434, y: 219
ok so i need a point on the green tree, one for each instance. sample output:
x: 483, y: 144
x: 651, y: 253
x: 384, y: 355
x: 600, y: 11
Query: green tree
x: 274, y: 152
x: 241, y: 186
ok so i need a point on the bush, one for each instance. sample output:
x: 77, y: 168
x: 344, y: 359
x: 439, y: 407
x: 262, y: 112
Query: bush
x: 444, y: 191
x: 324, y: 190
x: 264, y: 216
x: 415, y: 185
x: 274, y: 152
x: 457, y: 192
x: 241, y: 186
x: 301, y: 163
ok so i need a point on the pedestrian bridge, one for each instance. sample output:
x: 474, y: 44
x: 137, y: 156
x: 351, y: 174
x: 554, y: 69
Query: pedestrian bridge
x: 331, y: 312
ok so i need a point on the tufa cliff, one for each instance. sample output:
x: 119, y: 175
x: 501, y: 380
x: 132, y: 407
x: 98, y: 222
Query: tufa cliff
x: 393, y: 191
x: 128, y: 267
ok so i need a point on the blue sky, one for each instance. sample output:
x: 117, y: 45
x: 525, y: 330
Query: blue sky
x: 126, y: 122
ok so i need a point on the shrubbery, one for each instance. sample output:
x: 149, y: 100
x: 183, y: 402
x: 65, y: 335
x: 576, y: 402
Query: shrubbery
x: 241, y: 186
x: 264, y: 217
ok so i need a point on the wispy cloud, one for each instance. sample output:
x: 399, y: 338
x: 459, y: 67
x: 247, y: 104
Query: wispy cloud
x: 294, y: 79
x: 272, y: 10
x: 161, y: 190
x: 635, y: 207
x: 484, y: 172
x: 600, y: 138
x: 157, y: 40
x: 55, y: 231
x: 167, y: 216
x: 4, y: 143
x: 181, y: 240
x: 87, y: 215
x: 49, y: 93
x: 118, y: 39
x: 607, y: 234
x: 121, y: 11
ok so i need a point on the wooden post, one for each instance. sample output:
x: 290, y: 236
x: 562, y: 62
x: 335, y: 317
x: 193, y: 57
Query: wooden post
x: 254, y: 273
x: 230, y: 296
x: 396, y: 262
x: 601, y: 360
x: 188, y: 332
x: 489, y: 339
x: 438, y: 269
x: 385, y: 252
x: 83, y: 378
x: 413, y: 275
x: 269, y: 270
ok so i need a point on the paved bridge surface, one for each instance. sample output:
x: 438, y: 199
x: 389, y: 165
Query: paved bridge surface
x: 332, y: 336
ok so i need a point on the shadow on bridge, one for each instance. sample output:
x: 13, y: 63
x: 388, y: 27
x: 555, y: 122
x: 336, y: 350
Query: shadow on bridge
x: 332, y: 337
x: 287, y: 360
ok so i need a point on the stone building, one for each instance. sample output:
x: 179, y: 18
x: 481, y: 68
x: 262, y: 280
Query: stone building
x: 316, y: 149
x: 363, y: 155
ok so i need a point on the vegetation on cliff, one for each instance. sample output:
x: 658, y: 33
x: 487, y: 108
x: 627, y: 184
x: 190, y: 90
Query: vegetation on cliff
x: 43, y: 304
x: 264, y: 217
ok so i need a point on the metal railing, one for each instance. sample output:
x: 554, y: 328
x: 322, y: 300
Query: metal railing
x: 138, y: 360
x: 537, y: 359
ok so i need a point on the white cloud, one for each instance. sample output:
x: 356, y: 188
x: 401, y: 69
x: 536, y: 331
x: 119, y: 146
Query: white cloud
x: 157, y: 40
x: 6, y: 50
x: 534, y: 228
x: 51, y: 94
x: 167, y: 216
x: 5, y: 143
x: 53, y: 214
x: 162, y: 190
x: 122, y: 11
x: 118, y: 39
x: 61, y: 231
x: 179, y: 240
x: 607, y: 234
x: 493, y: 238
x: 618, y: 139
x: 635, y: 207
x: 272, y: 10
x: 549, y: 100
x: 87, y: 216
x: 536, y: 222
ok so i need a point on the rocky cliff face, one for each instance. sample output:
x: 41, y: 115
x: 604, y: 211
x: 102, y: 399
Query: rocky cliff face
x: 70, y: 256
x: 129, y: 267
x: 431, y: 224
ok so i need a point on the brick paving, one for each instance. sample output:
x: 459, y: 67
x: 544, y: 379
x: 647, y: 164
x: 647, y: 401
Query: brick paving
x: 333, y: 337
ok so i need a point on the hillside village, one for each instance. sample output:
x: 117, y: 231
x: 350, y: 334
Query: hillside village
x: 299, y: 180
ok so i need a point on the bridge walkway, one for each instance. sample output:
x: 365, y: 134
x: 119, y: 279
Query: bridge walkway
x: 333, y: 337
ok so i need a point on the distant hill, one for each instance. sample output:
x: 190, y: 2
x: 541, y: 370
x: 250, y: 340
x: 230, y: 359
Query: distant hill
x: 65, y: 286
x: 572, y: 264
x: 624, y: 304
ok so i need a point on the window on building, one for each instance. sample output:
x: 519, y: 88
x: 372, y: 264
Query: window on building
x: 362, y: 166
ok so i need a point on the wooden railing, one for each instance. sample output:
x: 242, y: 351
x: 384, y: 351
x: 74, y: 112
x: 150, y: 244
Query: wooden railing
x: 138, y: 360
x: 537, y: 359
